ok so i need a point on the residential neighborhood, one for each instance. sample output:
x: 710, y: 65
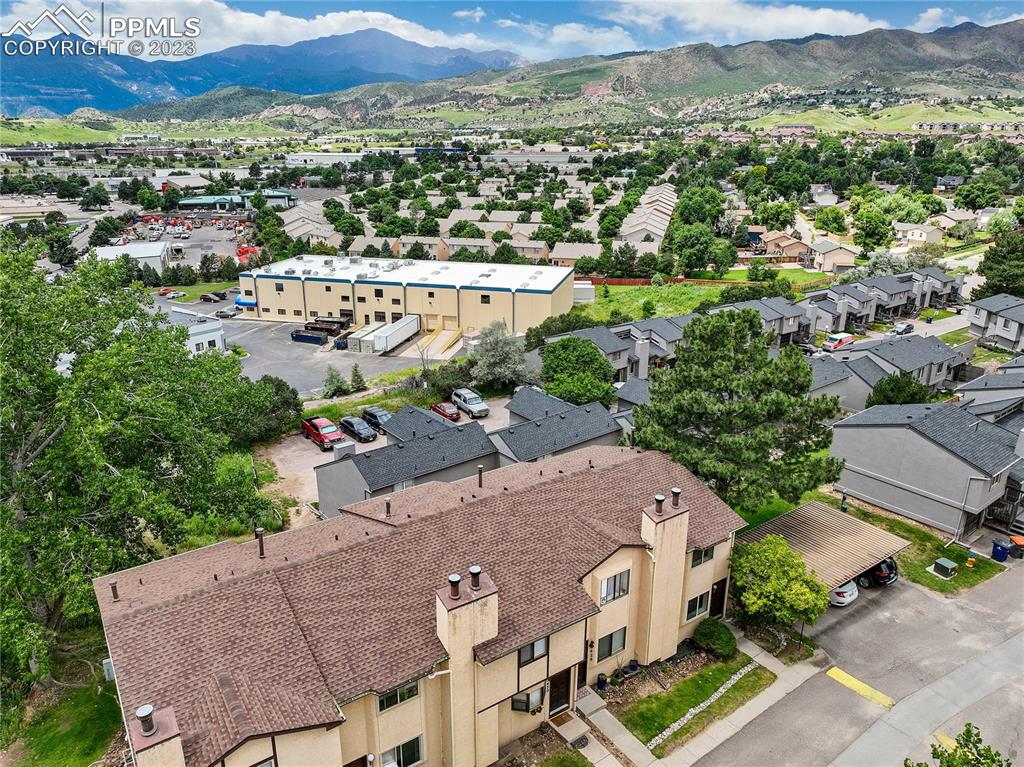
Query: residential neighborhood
x: 442, y: 386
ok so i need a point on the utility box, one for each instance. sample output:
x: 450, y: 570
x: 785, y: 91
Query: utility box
x: 944, y: 568
x: 346, y: 447
x: 108, y: 669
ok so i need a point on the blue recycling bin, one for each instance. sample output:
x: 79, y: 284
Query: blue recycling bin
x: 928, y: 320
x: 1000, y: 550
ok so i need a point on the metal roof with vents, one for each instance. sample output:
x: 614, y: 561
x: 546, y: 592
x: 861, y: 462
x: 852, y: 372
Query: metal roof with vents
x: 836, y: 546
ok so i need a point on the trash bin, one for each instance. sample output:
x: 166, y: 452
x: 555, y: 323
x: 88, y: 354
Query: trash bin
x: 928, y: 320
x: 1000, y: 549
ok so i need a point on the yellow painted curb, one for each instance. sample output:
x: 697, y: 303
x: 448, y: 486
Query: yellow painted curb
x: 945, y: 741
x: 865, y: 691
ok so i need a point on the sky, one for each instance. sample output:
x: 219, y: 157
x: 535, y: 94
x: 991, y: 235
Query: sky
x: 537, y: 31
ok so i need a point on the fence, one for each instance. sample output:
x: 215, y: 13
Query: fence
x: 639, y: 281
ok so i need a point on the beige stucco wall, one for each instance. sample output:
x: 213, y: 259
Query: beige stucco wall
x: 318, y: 747
x: 700, y: 579
x: 249, y: 753
x: 432, y: 310
x: 389, y: 294
x: 327, y: 299
x: 166, y: 754
x: 476, y: 315
x: 272, y: 302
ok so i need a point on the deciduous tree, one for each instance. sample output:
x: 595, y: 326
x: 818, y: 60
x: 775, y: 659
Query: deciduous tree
x: 771, y: 585
x: 499, y: 359
x: 898, y: 389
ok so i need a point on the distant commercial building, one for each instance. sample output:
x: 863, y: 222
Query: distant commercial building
x: 154, y: 254
x: 204, y: 333
x: 449, y: 295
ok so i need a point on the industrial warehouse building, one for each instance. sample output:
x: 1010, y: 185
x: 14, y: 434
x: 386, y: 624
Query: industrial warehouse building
x: 448, y: 295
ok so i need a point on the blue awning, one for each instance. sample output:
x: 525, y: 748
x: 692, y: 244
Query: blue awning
x: 239, y: 301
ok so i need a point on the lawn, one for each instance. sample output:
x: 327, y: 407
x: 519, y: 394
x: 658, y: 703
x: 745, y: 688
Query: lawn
x: 392, y: 400
x: 652, y: 715
x: 924, y: 549
x: 936, y: 314
x: 675, y: 298
x: 981, y: 356
x: 795, y: 276
x: 192, y: 292
x: 956, y: 337
x: 762, y: 514
x: 566, y: 759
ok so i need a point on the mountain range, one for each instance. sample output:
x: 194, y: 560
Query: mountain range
x: 60, y: 84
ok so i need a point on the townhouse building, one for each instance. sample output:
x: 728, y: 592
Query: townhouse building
x: 929, y: 360
x: 432, y: 627
x: 999, y: 319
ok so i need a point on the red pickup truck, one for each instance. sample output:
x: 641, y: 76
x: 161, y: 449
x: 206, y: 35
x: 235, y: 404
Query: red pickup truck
x: 323, y: 431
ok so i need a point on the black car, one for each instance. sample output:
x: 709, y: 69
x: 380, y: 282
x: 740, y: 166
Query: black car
x: 358, y: 429
x: 220, y: 294
x: 376, y: 417
x: 882, y: 574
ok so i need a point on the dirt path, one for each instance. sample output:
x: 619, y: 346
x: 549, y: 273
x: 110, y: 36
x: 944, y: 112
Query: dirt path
x: 295, y: 459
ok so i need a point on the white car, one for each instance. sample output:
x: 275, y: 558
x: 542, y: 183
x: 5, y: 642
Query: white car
x: 841, y: 596
x: 472, y: 403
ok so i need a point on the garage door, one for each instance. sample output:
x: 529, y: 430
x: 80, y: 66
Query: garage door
x: 451, y: 322
x: 835, y: 545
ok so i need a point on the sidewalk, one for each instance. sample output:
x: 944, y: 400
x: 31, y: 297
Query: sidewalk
x: 788, y: 678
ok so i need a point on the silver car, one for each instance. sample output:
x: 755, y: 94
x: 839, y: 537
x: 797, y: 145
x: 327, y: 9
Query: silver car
x: 471, y: 403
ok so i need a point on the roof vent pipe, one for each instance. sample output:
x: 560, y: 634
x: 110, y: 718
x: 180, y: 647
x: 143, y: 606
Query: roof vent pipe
x: 676, y: 492
x: 387, y: 507
x: 479, y: 475
x: 113, y: 591
x: 474, y: 577
x: 145, y: 716
x: 453, y: 585
x: 659, y: 502
x: 259, y: 537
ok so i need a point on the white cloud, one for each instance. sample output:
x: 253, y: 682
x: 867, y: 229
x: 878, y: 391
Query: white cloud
x: 471, y: 13
x: 739, y: 20
x: 224, y: 26
x: 532, y: 28
x: 999, y: 16
x: 933, y: 18
x: 583, y: 38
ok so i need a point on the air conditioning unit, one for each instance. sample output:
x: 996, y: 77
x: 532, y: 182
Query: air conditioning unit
x: 289, y: 271
x: 944, y: 568
x: 307, y: 271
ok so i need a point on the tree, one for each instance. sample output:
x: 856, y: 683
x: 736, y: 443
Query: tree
x: 736, y: 416
x: 148, y: 199
x: 969, y: 751
x: 978, y: 195
x: 575, y: 370
x: 901, y: 389
x: 1003, y: 268
x: 723, y: 257
x: 1000, y: 223
x: 257, y: 201
x: 58, y: 246
x: 172, y: 196
x: 418, y: 252
x: 255, y: 171
x: 694, y: 243
x: 776, y: 215
x: 771, y: 585
x: 831, y: 220
x: 358, y: 382
x: 335, y: 384
x: 874, y: 228
x: 96, y: 196
x: 466, y: 229
x: 648, y: 309
x: 499, y: 359
x: 1018, y: 210
x: 700, y: 205
x: 759, y: 271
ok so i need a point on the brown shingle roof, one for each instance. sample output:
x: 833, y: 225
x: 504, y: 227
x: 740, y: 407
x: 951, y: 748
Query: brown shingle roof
x: 342, y: 618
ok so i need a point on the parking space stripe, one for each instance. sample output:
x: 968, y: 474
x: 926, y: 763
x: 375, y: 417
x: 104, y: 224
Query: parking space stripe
x: 865, y: 691
x: 944, y: 740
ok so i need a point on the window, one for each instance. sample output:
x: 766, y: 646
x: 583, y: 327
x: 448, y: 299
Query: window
x: 211, y: 344
x: 529, y: 653
x: 396, y: 316
x: 269, y: 763
x: 248, y: 292
x: 485, y: 299
x: 279, y: 287
x: 405, y: 483
x: 612, y: 643
x: 398, y: 695
x: 396, y: 301
x: 528, y: 701
x: 379, y: 317
x: 199, y: 347
x: 700, y: 556
x: 697, y: 606
x: 404, y: 755
x: 314, y: 313
x: 281, y: 311
x: 266, y: 310
x: 361, y: 300
x: 345, y: 299
x: 430, y: 294
x: 327, y: 288
x: 614, y: 587
x: 378, y: 292
x: 297, y: 312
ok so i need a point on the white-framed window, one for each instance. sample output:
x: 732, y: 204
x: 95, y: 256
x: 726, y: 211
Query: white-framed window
x: 614, y: 587
x: 700, y: 556
x: 610, y: 644
x: 528, y: 701
x: 199, y: 347
x: 529, y: 653
x: 404, y: 484
x: 404, y: 755
x: 398, y: 695
x: 697, y: 606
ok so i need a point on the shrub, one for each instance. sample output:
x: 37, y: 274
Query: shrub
x: 714, y: 636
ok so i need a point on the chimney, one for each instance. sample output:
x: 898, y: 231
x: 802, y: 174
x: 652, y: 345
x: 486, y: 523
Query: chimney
x: 259, y: 537
x: 145, y: 716
x: 453, y: 585
x: 474, y: 577
x: 659, y: 502
x: 1019, y: 450
x: 387, y: 507
x: 676, y: 492
x: 479, y: 475
x: 113, y: 591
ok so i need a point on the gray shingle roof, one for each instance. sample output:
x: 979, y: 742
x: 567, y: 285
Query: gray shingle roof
x: 996, y: 406
x: 949, y: 426
x: 636, y: 391
x: 426, y: 454
x: 910, y: 353
x: 530, y: 402
x: 867, y: 370
x: 997, y: 303
x: 411, y: 422
x: 887, y: 284
x: 601, y: 337
x: 851, y: 291
x: 936, y: 274
x: 826, y: 371
x: 662, y: 326
x: 544, y: 436
x: 1016, y: 362
x: 1011, y: 379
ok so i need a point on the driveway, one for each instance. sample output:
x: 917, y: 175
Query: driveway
x: 898, y: 641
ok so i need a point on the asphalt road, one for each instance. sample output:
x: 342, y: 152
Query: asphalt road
x: 897, y: 640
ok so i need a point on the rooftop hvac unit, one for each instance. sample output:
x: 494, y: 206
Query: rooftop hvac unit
x: 300, y: 258
x: 267, y: 269
x: 307, y: 271
x: 408, y: 262
x: 355, y: 259
x: 361, y: 276
x: 372, y: 264
x: 328, y: 262
x: 372, y: 276
x: 289, y: 271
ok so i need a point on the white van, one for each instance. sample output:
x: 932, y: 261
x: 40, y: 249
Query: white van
x: 836, y: 341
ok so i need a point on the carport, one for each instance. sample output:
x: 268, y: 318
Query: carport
x: 836, y: 546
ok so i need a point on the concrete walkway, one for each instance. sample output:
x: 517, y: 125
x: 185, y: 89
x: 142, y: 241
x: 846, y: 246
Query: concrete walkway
x: 917, y: 716
x: 788, y: 678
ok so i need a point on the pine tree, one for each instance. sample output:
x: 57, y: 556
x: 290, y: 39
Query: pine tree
x: 358, y: 382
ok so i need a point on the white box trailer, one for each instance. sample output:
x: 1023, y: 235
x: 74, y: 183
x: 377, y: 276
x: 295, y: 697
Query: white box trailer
x: 391, y: 336
x: 355, y: 341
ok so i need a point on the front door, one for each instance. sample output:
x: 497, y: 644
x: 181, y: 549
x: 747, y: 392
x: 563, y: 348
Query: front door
x: 558, y: 696
x: 718, y: 599
x: 581, y: 669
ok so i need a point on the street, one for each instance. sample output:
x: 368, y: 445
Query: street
x: 899, y: 641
